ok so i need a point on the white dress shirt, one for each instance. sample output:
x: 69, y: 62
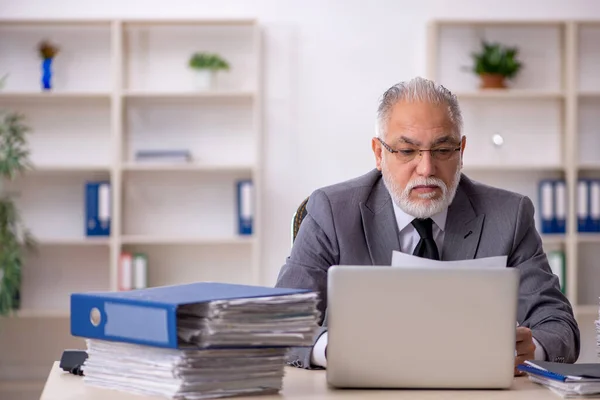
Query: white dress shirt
x: 409, y: 238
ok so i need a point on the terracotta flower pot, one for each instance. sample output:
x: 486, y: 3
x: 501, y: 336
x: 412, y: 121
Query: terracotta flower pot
x: 492, y: 81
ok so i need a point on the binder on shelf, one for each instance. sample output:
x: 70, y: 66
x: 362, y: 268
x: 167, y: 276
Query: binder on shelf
x: 154, y: 316
x: 125, y: 271
x: 584, y: 222
x: 97, y: 208
x: 547, y: 216
x: 556, y: 259
x: 245, y: 207
x: 560, y: 206
x: 140, y: 271
x: 594, y: 208
x: 588, y: 205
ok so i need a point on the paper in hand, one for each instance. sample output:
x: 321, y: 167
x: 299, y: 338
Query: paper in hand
x: 403, y: 260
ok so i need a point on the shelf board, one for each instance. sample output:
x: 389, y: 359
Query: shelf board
x: 500, y: 22
x: 68, y: 169
x: 83, y: 241
x: 181, y: 167
x: 183, y: 240
x: 553, y: 239
x: 589, y: 167
x: 593, y: 94
x: 510, y: 94
x: 34, y: 96
x: 516, y: 168
x: 181, y: 22
x: 587, y: 309
x: 591, y: 237
x: 40, y: 314
x: 189, y: 95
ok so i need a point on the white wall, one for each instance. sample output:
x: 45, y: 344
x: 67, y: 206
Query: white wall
x: 326, y: 64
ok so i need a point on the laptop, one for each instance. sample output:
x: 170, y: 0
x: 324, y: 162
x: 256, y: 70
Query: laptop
x: 429, y: 328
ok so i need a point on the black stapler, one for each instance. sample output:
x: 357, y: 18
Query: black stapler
x: 72, y: 361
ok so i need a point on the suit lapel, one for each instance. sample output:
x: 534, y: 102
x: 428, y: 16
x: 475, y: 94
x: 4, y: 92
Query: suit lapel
x: 380, y: 226
x: 463, y: 229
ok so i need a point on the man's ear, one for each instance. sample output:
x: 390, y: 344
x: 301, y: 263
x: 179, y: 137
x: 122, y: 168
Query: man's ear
x: 463, y: 144
x: 376, y: 146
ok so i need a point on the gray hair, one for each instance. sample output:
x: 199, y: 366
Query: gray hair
x: 421, y: 90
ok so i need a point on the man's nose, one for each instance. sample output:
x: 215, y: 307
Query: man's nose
x: 425, y: 166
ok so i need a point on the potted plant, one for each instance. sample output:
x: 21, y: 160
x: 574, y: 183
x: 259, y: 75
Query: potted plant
x: 206, y: 65
x: 495, y: 63
x: 15, y: 239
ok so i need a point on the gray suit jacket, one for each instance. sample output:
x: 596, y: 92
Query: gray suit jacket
x: 353, y: 223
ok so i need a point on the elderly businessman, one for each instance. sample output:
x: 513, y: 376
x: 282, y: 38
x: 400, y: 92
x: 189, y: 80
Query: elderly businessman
x: 417, y: 201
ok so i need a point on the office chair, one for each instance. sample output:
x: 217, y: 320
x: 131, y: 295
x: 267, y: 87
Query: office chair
x: 297, y: 218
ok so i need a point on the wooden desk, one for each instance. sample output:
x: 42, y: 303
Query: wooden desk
x: 298, y: 384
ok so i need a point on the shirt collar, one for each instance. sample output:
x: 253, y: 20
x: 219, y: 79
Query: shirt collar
x: 403, y: 219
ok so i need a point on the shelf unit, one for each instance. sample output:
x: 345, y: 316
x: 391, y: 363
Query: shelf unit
x: 122, y: 86
x: 548, y: 117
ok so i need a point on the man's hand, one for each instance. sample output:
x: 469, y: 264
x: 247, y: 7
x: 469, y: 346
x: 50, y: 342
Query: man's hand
x: 525, y: 347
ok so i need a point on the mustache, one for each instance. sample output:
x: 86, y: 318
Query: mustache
x: 429, y: 181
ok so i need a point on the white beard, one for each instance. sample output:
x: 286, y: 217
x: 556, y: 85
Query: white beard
x: 417, y: 209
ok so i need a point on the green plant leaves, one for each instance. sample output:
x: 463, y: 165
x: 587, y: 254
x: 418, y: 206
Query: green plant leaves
x: 210, y: 61
x: 494, y: 58
x: 15, y: 239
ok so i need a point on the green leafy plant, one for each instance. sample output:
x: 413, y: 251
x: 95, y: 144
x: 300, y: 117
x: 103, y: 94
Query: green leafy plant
x: 15, y: 239
x: 210, y: 61
x: 496, y: 59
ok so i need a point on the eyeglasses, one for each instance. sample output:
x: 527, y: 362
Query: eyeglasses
x: 407, y: 154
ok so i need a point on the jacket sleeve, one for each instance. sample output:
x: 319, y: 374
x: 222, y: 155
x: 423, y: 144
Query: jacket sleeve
x: 313, y: 252
x: 542, y: 306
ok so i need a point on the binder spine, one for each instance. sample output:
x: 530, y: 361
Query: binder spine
x: 583, y: 202
x: 560, y: 201
x: 594, y: 211
x: 140, y: 267
x: 97, y: 208
x: 125, y: 272
x: 123, y: 320
x: 547, y: 206
x: 245, y: 207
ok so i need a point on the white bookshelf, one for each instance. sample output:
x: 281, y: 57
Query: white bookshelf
x: 548, y: 117
x: 121, y: 86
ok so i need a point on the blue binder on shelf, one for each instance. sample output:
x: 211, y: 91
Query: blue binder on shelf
x: 245, y: 207
x: 149, y: 316
x: 560, y: 207
x: 97, y: 208
x: 546, y: 195
x: 588, y: 205
x: 594, y: 205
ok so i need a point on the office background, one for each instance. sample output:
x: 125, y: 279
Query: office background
x: 297, y: 113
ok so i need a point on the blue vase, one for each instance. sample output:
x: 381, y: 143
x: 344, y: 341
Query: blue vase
x: 47, y: 74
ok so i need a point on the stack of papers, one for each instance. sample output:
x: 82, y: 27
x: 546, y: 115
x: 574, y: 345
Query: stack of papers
x: 566, y: 380
x: 217, y: 340
x: 183, y: 374
x: 289, y: 320
x: 598, y: 333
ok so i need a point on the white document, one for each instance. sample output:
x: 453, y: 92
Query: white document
x: 403, y: 260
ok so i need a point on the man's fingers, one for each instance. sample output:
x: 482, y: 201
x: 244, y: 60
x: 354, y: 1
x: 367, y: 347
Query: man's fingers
x: 525, y: 348
x: 523, y: 334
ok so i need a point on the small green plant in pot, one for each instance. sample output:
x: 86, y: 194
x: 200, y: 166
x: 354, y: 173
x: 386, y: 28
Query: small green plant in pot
x: 206, y: 65
x: 15, y: 239
x: 496, y: 63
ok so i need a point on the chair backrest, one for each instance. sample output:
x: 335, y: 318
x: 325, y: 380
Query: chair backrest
x: 297, y: 218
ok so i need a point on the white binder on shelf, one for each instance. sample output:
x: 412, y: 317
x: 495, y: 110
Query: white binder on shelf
x: 547, y: 216
x: 560, y: 209
x: 583, y: 206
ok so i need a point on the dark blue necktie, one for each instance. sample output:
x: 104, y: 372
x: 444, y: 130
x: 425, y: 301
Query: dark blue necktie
x: 426, y: 247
